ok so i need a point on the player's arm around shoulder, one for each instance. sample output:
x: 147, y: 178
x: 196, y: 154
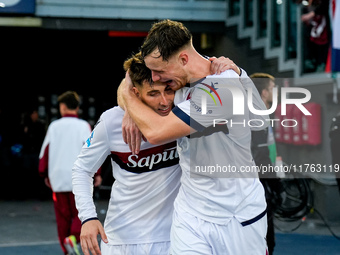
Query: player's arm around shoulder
x: 155, y: 128
x: 167, y: 129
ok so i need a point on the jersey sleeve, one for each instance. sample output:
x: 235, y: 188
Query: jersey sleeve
x: 90, y: 159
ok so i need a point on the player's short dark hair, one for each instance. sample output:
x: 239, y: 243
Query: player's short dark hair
x: 168, y: 36
x: 261, y: 81
x: 137, y: 70
x: 70, y: 99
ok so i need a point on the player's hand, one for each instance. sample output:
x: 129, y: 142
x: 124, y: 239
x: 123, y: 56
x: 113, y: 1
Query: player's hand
x: 128, y: 84
x: 88, y: 237
x: 97, y: 180
x: 131, y: 134
x: 222, y: 64
x: 125, y: 90
x: 47, y: 182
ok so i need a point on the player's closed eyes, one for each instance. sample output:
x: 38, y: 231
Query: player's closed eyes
x: 152, y: 94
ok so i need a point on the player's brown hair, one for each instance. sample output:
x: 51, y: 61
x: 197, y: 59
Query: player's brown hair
x: 137, y: 70
x: 261, y: 80
x: 168, y: 37
x: 70, y: 99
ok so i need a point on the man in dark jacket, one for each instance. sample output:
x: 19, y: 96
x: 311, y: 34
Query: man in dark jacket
x: 263, y: 148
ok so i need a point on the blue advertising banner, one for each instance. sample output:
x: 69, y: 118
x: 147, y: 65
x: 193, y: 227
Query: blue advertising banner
x: 17, y: 6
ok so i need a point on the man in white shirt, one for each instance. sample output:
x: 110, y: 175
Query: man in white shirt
x: 62, y: 144
x: 214, y: 213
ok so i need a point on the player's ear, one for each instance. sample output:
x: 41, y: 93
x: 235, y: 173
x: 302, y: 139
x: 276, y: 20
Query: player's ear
x: 183, y: 58
x: 62, y: 108
x: 136, y: 92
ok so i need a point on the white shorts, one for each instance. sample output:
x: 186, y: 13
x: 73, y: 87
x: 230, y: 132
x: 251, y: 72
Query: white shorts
x: 159, y: 248
x: 191, y: 235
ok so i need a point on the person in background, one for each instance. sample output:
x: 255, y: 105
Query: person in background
x: 62, y: 144
x: 317, y: 34
x: 33, y: 133
x: 263, y: 148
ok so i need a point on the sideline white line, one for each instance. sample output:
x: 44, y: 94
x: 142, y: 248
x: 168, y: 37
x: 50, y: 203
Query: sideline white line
x: 29, y: 244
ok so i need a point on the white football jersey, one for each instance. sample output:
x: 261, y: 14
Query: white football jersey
x: 62, y: 144
x: 141, y: 204
x: 215, y: 186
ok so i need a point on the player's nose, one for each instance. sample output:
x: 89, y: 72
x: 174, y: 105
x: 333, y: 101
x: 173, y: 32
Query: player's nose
x: 155, y: 76
x: 164, y: 100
